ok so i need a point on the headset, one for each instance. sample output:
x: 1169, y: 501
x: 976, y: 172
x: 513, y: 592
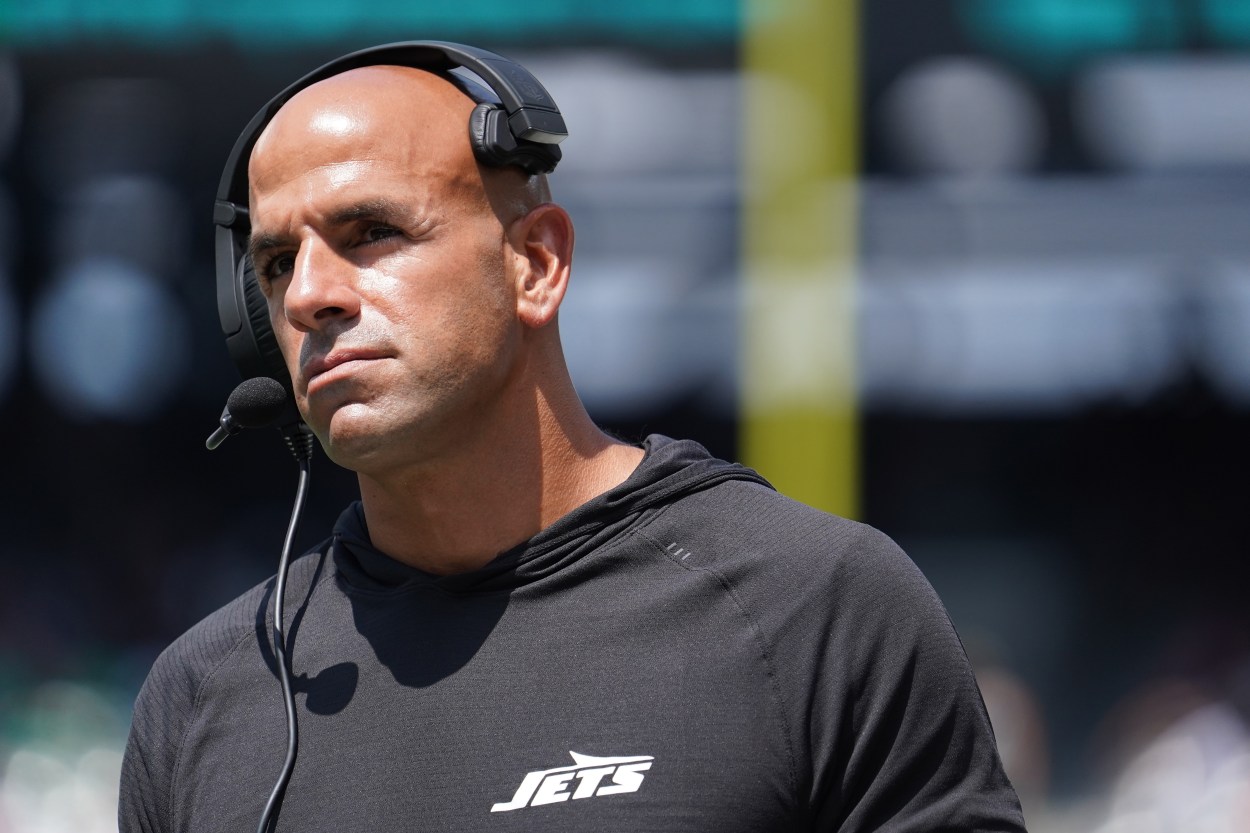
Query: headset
x: 515, y: 123
x: 521, y: 127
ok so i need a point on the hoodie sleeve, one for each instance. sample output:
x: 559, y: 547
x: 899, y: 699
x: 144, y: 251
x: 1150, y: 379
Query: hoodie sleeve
x: 166, y: 707
x: 886, y: 722
x: 907, y: 744
x: 151, y: 753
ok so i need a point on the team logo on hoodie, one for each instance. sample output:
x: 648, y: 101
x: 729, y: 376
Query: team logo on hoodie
x: 587, y: 777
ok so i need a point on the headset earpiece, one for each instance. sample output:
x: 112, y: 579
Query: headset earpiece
x: 495, y: 146
x: 256, y: 308
x: 254, y: 346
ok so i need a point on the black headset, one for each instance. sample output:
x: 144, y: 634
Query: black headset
x: 522, y: 128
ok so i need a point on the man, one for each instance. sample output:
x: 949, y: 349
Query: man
x: 525, y: 624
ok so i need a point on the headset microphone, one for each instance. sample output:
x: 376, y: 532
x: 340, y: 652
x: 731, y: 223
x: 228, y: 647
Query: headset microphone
x: 255, y: 403
x: 515, y: 123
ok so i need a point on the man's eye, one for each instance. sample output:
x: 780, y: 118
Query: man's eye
x: 375, y: 233
x: 274, y: 267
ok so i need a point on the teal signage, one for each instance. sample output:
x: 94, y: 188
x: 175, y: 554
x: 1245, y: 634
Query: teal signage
x: 1052, y: 37
x: 283, y: 23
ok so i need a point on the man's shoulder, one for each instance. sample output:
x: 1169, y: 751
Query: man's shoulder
x: 173, y: 695
x: 746, y: 521
x: 180, y: 670
x: 780, y: 558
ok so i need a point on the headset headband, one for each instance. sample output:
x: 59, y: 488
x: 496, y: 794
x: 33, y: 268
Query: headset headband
x: 523, y: 130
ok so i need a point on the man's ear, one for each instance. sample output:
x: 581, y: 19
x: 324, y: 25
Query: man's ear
x: 543, y: 243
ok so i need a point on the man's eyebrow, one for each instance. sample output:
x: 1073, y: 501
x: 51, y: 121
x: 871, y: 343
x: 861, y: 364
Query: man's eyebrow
x: 381, y: 210
x: 258, y: 244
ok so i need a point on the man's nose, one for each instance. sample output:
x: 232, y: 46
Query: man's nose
x: 322, y: 289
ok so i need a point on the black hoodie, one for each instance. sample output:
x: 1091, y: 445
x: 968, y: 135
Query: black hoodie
x: 690, y: 651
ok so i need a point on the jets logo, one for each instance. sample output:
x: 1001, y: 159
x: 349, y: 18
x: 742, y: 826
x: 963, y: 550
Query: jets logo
x: 589, y: 776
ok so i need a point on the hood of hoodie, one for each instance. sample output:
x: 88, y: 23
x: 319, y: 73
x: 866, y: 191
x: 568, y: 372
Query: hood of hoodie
x: 669, y: 469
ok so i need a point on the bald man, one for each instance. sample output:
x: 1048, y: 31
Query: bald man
x: 414, y: 297
x: 525, y: 624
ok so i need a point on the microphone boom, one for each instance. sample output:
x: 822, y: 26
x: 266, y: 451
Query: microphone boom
x: 255, y: 403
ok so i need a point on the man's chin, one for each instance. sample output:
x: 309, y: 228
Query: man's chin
x: 359, y: 438
x: 359, y: 454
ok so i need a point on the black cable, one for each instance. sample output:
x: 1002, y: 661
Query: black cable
x: 300, y: 441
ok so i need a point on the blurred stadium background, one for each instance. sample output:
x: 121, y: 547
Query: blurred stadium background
x: 976, y: 272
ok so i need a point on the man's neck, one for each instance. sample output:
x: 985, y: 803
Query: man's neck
x: 457, y: 513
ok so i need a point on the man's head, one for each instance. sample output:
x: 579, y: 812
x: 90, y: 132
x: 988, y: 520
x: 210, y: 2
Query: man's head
x: 413, y: 292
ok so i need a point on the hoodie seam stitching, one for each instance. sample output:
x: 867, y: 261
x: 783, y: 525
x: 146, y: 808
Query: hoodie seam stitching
x: 760, y: 641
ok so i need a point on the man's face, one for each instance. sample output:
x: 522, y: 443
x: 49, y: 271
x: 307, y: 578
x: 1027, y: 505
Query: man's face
x: 386, y: 270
